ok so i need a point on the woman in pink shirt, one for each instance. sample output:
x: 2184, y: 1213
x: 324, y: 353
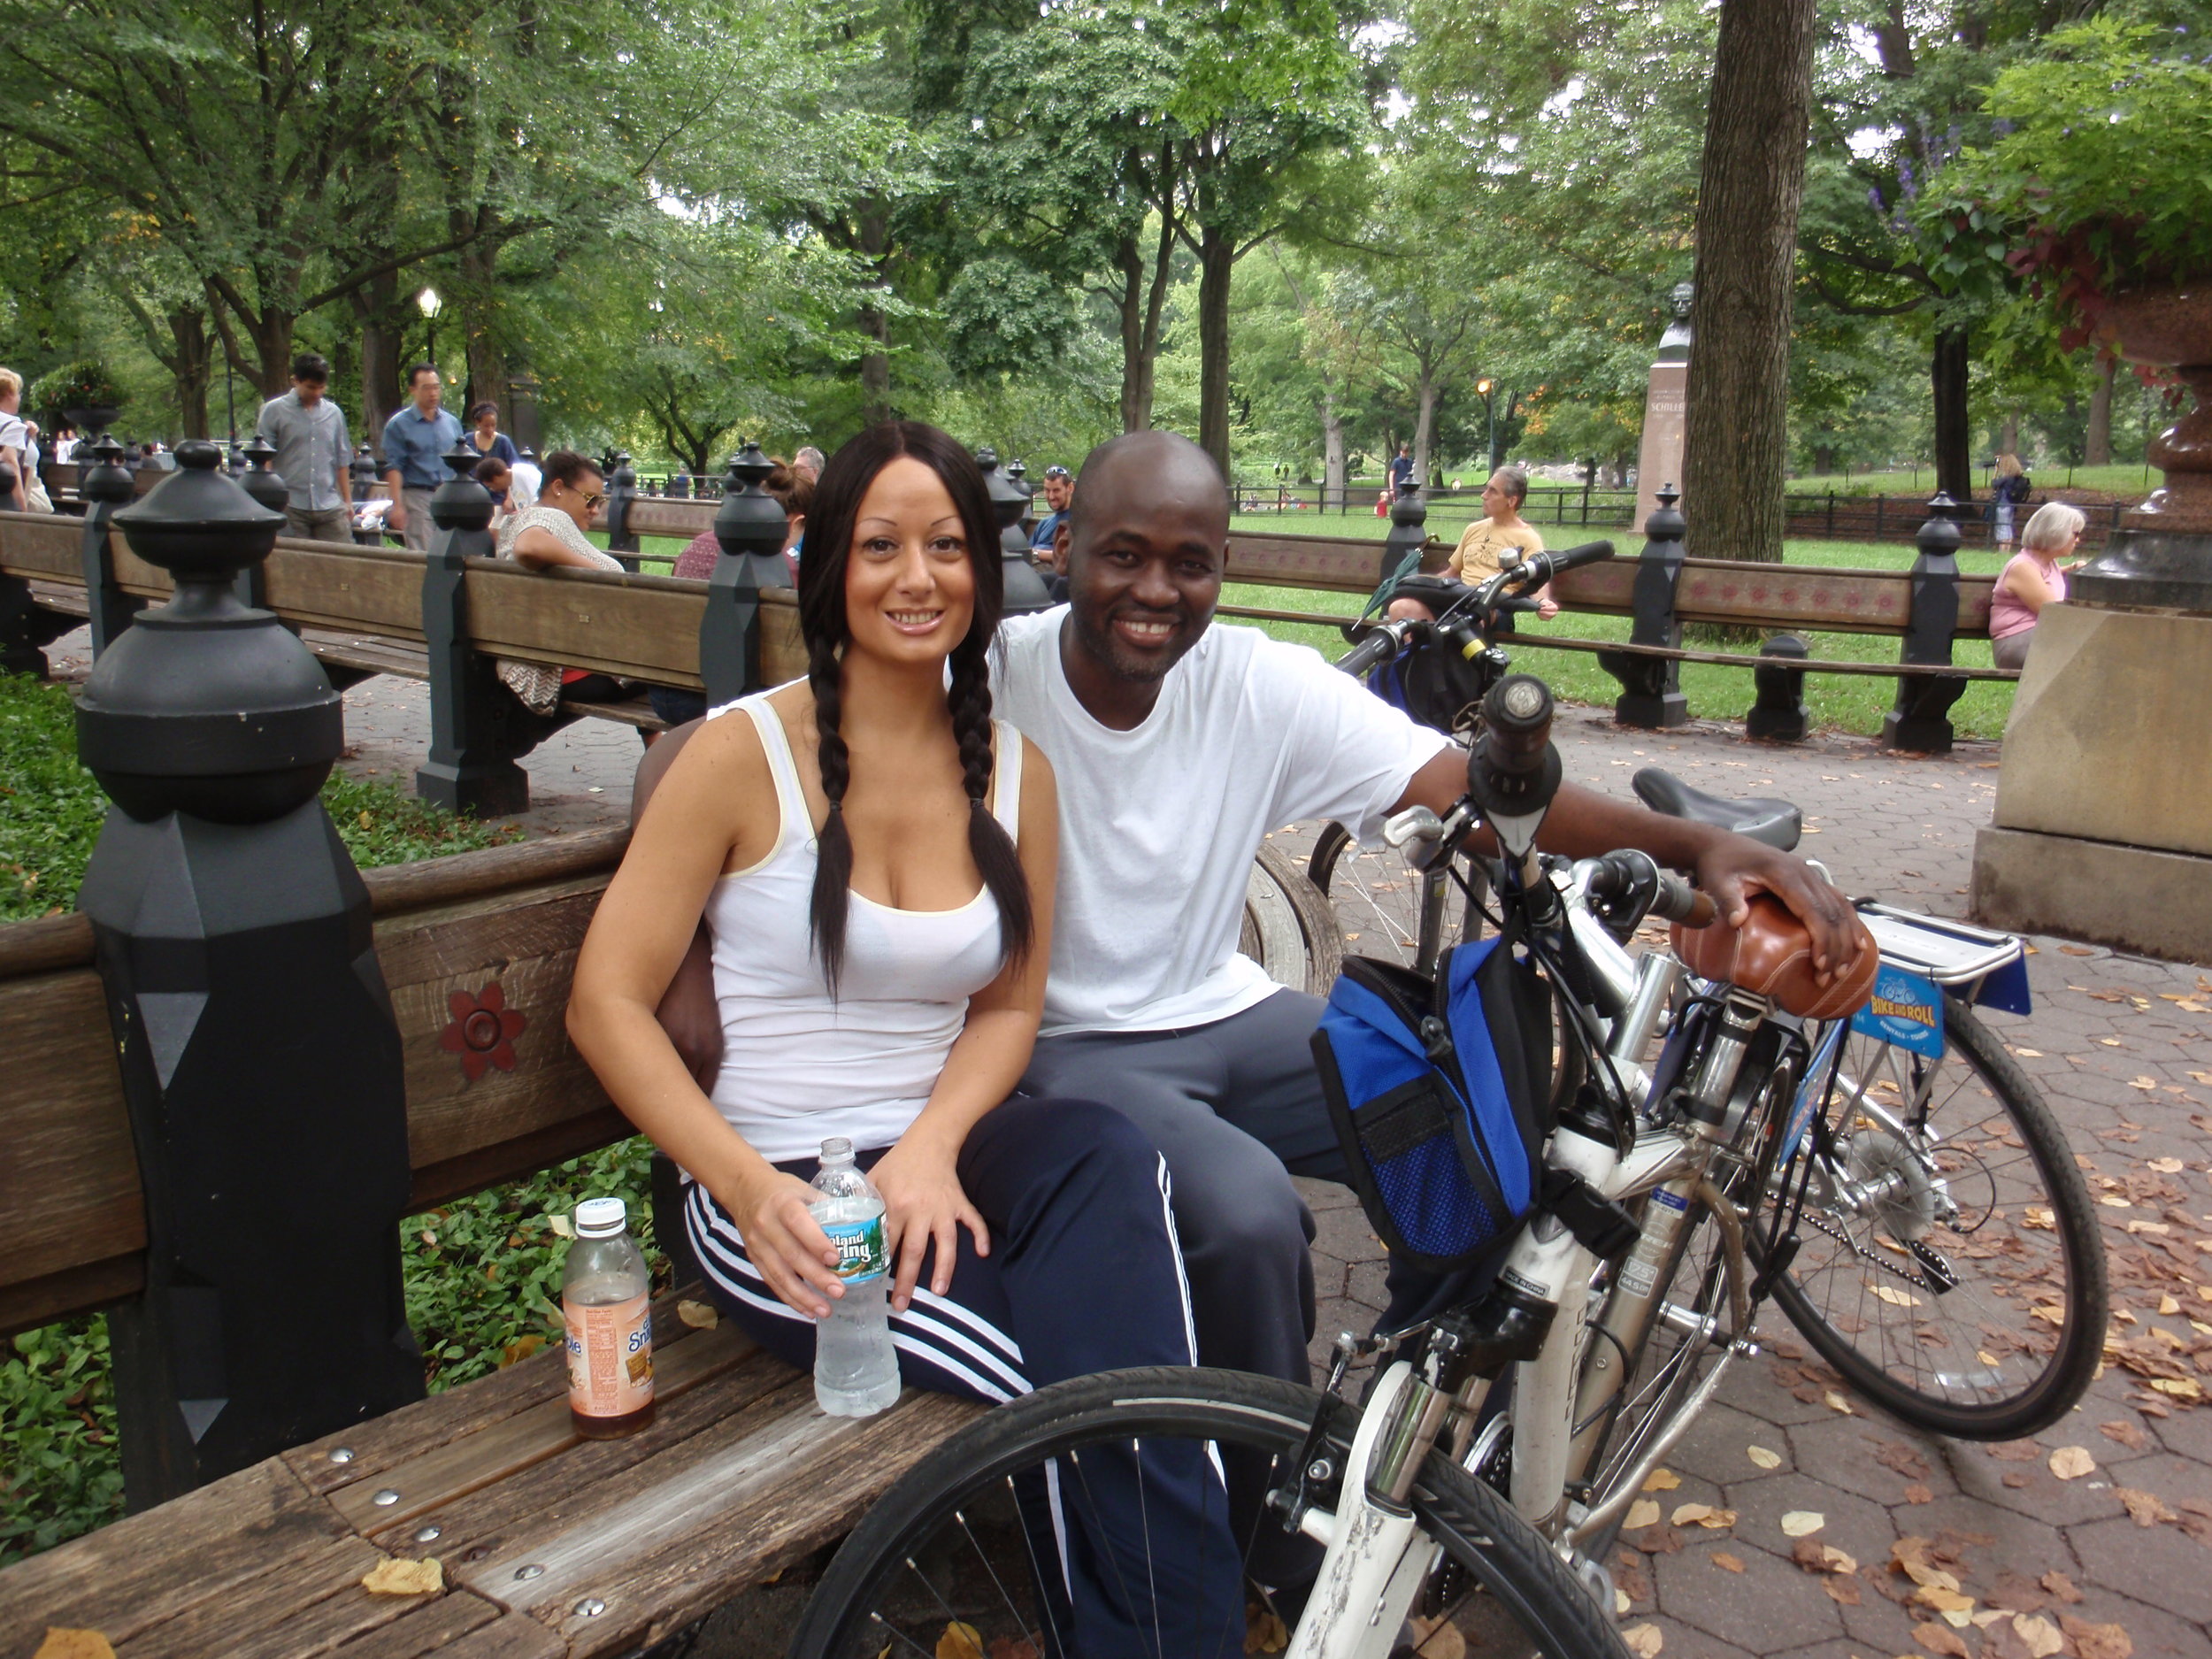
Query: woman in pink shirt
x: 2031, y: 578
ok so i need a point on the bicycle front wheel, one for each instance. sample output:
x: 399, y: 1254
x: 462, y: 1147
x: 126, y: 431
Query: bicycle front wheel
x: 995, y: 1531
x: 1383, y: 905
x: 1949, y: 1263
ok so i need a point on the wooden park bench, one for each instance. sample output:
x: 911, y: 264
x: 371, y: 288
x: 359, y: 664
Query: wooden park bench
x: 550, y: 1546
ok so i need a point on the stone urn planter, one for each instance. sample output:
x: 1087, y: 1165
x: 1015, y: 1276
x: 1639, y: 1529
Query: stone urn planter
x: 2162, y: 556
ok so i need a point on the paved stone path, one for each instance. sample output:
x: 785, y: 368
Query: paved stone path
x: 2112, y: 1562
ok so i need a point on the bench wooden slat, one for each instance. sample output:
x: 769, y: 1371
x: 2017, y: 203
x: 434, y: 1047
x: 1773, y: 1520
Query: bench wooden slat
x: 428, y: 1481
x: 459, y: 1626
x: 752, y: 1493
x: 307, y: 1605
x: 150, y: 1568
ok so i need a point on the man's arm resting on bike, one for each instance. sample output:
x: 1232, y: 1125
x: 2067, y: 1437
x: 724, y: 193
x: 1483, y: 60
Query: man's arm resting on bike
x: 1584, y: 823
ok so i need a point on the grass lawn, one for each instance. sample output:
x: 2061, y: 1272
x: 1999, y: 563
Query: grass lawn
x: 482, y: 1275
x: 2123, y: 478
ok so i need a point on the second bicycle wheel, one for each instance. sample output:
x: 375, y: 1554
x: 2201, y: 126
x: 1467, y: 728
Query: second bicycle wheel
x: 1059, y: 1525
x: 1950, y: 1265
x: 1382, y: 903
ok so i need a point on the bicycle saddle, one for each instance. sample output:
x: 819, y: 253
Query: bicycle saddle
x: 1771, y: 955
x: 1775, y: 823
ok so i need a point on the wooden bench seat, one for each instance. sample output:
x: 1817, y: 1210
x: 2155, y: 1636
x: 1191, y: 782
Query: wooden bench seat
x: 550, y: 1545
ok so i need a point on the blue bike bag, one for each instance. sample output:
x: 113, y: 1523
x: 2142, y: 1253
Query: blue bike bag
x: 1440, y: 1090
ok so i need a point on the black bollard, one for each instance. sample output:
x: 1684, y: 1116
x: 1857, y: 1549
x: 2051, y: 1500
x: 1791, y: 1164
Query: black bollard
x: 261, y: 1063
x: 1920, y: 719
x: 1651, y: 687
x: 750, y: 528
x: 266, y: 485
x: 1778, y: 711
x: 103, y: 487
x: 621, y: 491
x: 1408, y: 531
x: 478, y: 727
x: 1026, y: 589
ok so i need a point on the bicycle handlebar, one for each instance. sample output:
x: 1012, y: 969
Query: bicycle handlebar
x: 1378, y: 647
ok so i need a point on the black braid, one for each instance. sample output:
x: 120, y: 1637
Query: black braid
x: 988, y: 843
x: 833, y: 856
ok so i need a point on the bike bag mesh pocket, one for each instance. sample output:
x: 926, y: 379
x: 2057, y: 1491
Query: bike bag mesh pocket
x: 1439, y: 1089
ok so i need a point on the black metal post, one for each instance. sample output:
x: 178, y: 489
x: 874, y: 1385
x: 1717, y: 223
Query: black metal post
x: 750, y: 528
x: 103, y: 487
x: 267, y: 487
x: 1651, y: 687
x: 261, y: 1063
x: 1409, y: 531
x: 621, y: 491
x: 1778, y: 711
x: 477, y: 728
x: 1025, y: 590
x: 1920, y: 719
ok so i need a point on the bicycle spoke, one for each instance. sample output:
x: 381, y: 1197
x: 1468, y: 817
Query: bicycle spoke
x: 1106, y: 1548
x: 1020, y: 1623
x: 888, y: 1628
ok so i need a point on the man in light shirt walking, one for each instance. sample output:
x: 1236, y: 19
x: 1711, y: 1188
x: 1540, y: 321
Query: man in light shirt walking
x: 313, y: 453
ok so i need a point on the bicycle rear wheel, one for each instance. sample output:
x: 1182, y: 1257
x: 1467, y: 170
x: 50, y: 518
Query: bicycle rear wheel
x: 1379, y: 900
x: 973, y: 1535
x: 1950, y: 1266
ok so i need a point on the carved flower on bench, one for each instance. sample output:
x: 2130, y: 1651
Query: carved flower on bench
x: 483, y: 1031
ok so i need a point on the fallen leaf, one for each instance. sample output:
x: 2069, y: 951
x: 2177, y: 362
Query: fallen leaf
x: 1943, y: 1601
x: 2128, y: 1434
x: 562, y: 1225
x: 700, y: 1316
x: 2038, y: 1636
x: 2168, y: 1306
x: 1621, y: 1603
x: 1646, y: 1640
x: 1835, y: 1402
x: 1803, y: 1522
x: 2179, y: 1387
x: 1918, y: 1493
x: 1895, y: 1297
x: 1263, y: 1631
x: 2166, y: 1166
x: 1844, y: 1592
x: 2060, y: 1586
x: 393, y: 1575
x: 73, y: 1644
x: 1725, y: 1561
x: 1762, y: 1457
x: 1937, y: 1639
x: 2148, y: 1508
x: 961, y: 1641
x: 1661, y: 1480
x: 2039, y: 1218
x: 2071, y: 1463
x: 1643, y: 1512
x: 520, y: 1349
x: 2097, y: 1641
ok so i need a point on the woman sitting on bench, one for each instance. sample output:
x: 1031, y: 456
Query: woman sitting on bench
x: 874, y: 858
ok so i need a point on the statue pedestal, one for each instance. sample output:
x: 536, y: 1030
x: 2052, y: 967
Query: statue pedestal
x: 2103, y: 827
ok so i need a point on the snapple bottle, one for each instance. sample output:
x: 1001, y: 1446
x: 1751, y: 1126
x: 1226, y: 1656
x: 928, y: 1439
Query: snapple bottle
x: 606, y: 1302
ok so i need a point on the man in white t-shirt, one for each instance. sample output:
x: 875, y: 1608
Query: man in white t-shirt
x: 1177, y: 746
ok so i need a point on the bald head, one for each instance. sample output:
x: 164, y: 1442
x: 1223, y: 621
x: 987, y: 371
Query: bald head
x: 1145, y: 472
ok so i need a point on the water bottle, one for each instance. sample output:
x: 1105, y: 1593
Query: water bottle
x: 856, y: 1372
x: 606, y: 1312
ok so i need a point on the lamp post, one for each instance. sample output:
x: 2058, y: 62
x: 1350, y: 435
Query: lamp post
x: 428, y: 303
x: 1489, y: 424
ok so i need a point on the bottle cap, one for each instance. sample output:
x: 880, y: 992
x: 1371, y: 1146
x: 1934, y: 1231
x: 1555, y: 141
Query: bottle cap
x: 837, y: 1150
x: 601, y: 1218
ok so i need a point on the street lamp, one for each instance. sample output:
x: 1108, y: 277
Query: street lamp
x: 428, y: 303
x: 1490, y: 424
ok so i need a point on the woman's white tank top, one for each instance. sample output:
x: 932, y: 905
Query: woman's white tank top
x: 796, y: 1066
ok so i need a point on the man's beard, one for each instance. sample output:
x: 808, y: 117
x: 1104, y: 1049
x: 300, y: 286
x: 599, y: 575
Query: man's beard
x: 1105, y: 645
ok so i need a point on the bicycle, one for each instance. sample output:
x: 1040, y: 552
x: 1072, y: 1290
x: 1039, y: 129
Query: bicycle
x: 1420, y: 904
x: 1776, y: 1145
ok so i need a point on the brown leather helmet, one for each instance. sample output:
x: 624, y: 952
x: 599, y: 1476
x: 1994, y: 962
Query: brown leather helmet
x: 1771, y: 955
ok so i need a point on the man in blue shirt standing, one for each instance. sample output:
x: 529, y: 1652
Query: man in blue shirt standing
x: 312, y: 454
x: 1401, y: 469
x: 415, y: 441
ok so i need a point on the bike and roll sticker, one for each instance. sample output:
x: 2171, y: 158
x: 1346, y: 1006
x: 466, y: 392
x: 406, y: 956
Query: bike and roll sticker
x: 1907, y: 1011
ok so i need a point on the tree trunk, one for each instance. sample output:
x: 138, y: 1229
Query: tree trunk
x: 1953, y: 449
x: 480, y: 316
x: 1142, y: 305
x: 1217, y: 263
x: 192, y: 366
x: 1332, y: 485
x: 873, y: 224
x: 2096, y: 445
x: 1424, y: 423
x: 1750, y: 188
x: 2008, y: 434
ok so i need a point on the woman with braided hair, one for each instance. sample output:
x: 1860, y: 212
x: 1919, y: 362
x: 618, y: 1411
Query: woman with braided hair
x: 875, y: 857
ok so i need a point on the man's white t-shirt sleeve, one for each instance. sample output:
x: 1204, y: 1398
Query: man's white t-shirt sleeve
x: 1349, y: 754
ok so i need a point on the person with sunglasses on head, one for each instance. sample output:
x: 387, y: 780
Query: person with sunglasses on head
x: 1059, y: 493
x: 550, y: 536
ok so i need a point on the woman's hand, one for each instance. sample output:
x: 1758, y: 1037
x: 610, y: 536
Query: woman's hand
x: 924, y: 1203
x: 793, y: 1253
